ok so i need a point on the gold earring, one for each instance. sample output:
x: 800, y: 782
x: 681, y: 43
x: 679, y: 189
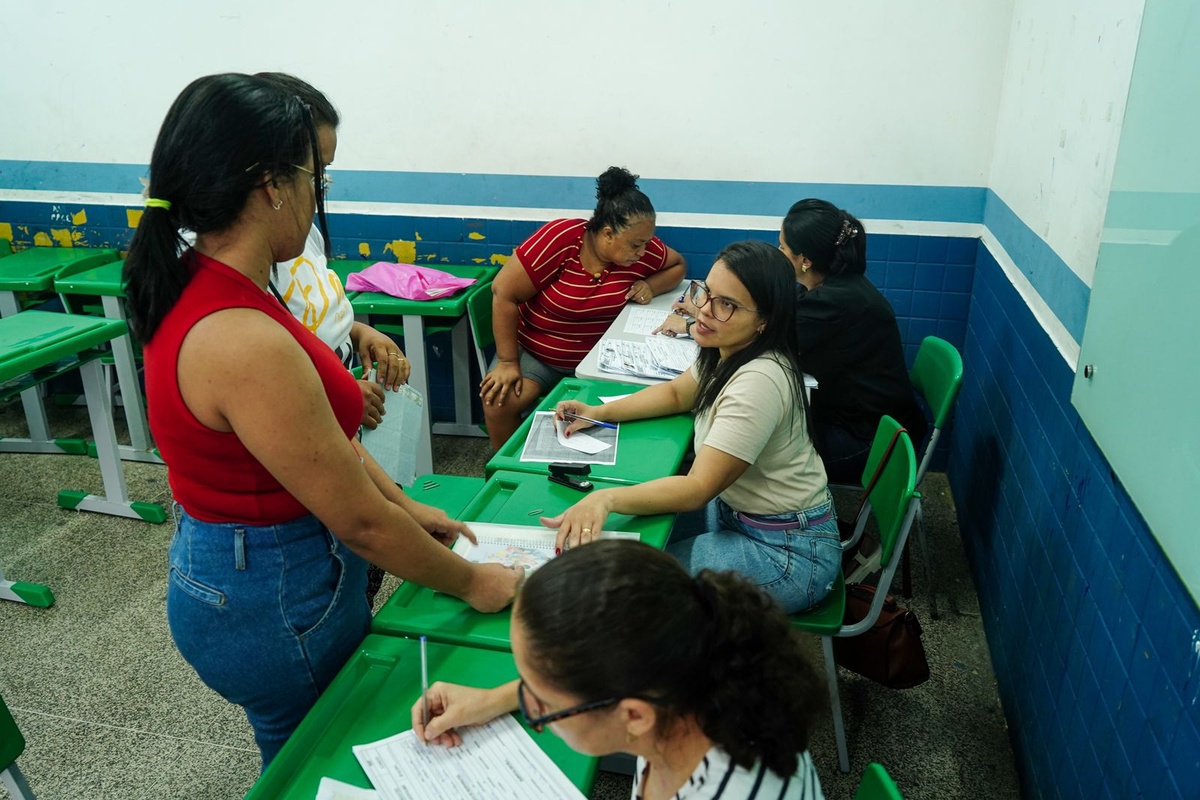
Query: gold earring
x: 278, y: 204
x: 630, y: 738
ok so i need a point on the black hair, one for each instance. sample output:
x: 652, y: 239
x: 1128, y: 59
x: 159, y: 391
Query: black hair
x: 770, y: 280
x: 618, y: 201
x: 324, y: 114
x: 830, y: 237
x: 220, y: 139
x: 622, y: 619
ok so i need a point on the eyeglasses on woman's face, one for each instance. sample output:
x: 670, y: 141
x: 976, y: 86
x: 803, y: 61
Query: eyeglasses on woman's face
x: 326, y: 180
x: 534, y: 710
x: 722, y: 308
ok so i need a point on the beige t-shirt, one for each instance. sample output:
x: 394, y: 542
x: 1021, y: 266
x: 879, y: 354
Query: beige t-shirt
x: 756, y: 419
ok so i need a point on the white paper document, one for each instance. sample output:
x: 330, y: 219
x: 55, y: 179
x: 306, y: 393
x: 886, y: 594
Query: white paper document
x: 664, y: 359
x: 528, y: 546
x: 329, y: 789
x: 644, y: 321
x: 613, y: 399
x: 496, y: 761
x: 543, y: 443
x: 578, y: 440
x: 394, y: 443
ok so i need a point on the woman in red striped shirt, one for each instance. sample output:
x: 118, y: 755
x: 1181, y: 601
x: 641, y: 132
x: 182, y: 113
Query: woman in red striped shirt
x: 562, y: 288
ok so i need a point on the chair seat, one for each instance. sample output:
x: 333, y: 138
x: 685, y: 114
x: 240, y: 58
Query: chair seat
x: 825, y: 618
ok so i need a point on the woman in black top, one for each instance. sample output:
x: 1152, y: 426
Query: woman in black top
x: 849, y: 340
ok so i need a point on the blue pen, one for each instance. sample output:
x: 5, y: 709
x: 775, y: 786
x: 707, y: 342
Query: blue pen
x: 609, y: 425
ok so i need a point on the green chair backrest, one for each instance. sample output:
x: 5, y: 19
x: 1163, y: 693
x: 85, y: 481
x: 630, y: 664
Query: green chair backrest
x: 896, y: 485
x: 877, y: 785
x: 5, y: 248
x: 937, y: 375
x: 12, y: 743
x: 479, y: 312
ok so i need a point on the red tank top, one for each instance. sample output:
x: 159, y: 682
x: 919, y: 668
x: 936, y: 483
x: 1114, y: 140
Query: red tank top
x: 212, y: 475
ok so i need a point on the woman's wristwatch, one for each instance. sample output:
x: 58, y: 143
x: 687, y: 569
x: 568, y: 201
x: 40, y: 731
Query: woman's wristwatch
x: 687, y: 327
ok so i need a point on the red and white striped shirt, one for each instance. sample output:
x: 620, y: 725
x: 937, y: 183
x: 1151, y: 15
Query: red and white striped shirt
x: 573, y: 308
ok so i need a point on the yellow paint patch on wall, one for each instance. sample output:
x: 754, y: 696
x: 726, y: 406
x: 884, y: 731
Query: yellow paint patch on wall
x: 364, y: 249
x: 500, y: 259
x: 475, y: 235
x: 418, y: 237
x: 477, y: 260
x: 40, y: 239
x: 133, y: 217
x: 79, y: 218
x: 6, y: 231
x: 404, y: 251
x: 62, y: 236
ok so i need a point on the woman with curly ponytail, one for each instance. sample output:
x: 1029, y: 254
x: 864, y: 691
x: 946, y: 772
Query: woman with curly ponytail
x: 619, y: 650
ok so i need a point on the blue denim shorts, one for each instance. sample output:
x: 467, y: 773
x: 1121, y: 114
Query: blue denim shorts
x: 266, y: 615
x: 537, y: 371
x: 793, y: 557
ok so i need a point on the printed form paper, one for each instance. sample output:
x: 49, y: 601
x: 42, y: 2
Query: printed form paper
x: 329, y: 789
x: 528, y: 546
x: 394, y: 443
x: 643, y: 321
x: 496, y: 761
x: 543, y: 443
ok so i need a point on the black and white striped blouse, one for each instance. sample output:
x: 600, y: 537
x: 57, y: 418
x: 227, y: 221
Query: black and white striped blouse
x: 716, y: 776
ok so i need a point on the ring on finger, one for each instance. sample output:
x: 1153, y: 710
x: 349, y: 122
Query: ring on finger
x: 587, y: 530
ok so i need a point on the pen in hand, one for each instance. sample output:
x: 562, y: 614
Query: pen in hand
x: 424, y: 693
x: 598, y: 423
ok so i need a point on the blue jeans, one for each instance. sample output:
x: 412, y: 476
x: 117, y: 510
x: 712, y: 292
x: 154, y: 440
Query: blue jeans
x: 796, y: 565
x: 266, y: 615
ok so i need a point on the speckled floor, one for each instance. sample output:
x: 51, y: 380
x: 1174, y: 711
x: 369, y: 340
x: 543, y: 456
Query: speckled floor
x: 110, y: 710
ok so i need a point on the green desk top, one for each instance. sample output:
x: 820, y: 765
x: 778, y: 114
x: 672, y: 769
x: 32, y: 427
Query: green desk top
x: 102, y: 281
x: 370, y: 700
x: 452, y: 306
x: 36, y: 268
x: 646, y: 449
x: 512, y: 498
x: 33, y: 339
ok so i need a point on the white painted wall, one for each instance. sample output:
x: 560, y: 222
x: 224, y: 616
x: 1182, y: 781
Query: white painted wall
x: 1065, y: 87
x: 865, y: 91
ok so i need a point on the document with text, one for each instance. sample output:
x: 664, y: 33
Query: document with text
x: 496, y: 761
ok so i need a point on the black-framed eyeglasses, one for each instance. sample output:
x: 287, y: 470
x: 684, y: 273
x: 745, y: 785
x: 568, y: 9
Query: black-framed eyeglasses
x: 326, y: 180
x: 539, y: 723
x: 722, y: 307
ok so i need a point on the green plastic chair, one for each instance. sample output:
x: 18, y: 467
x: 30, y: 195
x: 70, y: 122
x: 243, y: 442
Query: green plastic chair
x: 479, y: 312
x: 877, y: 785
x: 893, y: 502
x: 5, y: 248
x: 12, y: 744
x: 937, y: 376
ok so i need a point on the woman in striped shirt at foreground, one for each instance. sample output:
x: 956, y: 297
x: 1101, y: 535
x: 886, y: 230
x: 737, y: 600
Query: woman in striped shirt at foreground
x: 619, y: 650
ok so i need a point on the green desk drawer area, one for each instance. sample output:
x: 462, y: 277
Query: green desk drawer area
x: 370, y: 700
x: 511, y: 498
x: 646, y: 449
x: 33, y: 339
x: 36, y: 268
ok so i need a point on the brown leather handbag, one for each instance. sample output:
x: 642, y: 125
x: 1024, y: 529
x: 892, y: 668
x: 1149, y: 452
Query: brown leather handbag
x: 891, y: 652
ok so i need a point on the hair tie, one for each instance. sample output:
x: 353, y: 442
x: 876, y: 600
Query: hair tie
x: 848, y: 232
x: 154, y: 202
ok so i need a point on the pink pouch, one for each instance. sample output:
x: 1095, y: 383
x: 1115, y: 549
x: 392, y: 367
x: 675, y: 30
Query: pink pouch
x: 406, y: 280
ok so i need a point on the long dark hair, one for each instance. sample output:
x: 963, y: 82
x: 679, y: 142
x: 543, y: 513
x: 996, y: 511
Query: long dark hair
x: 618, y: 200
x: 622, y: 619
x: 324, y: 114
x: 770, y: 280
x: 830, y: 237
x: 220, y: 139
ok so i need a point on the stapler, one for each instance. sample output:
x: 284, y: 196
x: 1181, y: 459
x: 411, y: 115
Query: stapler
x: 573, y: 476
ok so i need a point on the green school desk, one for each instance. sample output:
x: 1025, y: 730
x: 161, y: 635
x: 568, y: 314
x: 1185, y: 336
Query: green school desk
x: 413, y: 315
x: 512, y: 498
x: 106, y: 283
x: 371, y: 698
x: 646, y: 449
x: 34, y: 270
x: 36, y: 346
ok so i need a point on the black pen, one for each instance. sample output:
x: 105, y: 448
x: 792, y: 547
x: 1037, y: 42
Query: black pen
x: 572, y: 415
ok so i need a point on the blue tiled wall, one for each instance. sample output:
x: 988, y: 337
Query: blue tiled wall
x: 1090, y: 629
x: 926, y: 278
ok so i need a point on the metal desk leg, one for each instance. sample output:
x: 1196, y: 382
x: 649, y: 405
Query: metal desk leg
x: 116, y: 497
x: 462, y: 425
x: 418, y: 378
x: 131, y: 392
x: 35, y: 594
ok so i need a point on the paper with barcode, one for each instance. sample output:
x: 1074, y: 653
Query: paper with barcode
x: 394, y: 443
x: 496, y: 761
